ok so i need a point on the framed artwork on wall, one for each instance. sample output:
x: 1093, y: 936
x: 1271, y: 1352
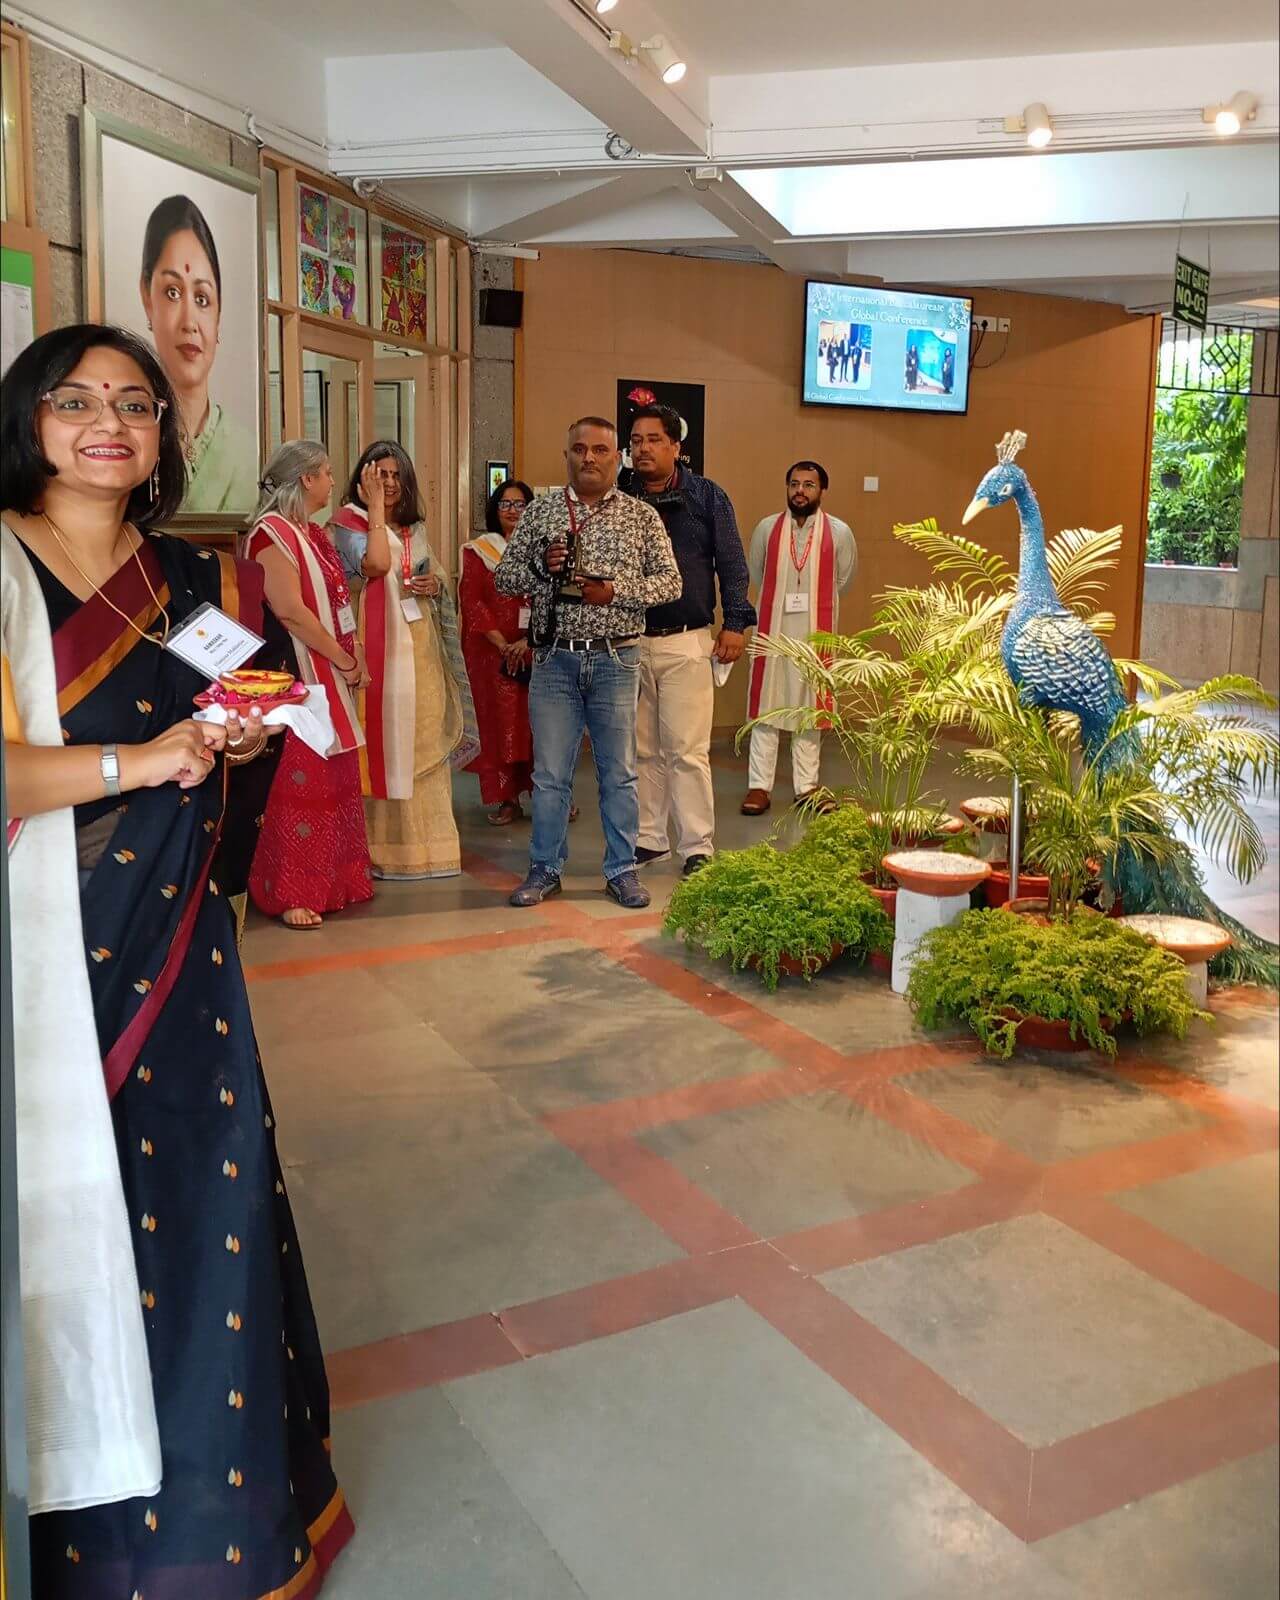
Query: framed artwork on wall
x: 496, y: 474
x: 171, y: 252
x: 688, y: 399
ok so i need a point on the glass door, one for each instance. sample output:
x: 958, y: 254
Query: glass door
x: 337, y: 401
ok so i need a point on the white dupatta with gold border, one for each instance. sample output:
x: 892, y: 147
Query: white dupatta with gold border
x: 91, y: 1425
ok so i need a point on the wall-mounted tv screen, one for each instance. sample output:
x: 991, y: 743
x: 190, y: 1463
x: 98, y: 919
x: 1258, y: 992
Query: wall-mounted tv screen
x: 886, y: 348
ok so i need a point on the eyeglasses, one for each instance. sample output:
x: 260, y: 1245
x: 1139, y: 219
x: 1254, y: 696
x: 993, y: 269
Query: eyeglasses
x: 78, y: 405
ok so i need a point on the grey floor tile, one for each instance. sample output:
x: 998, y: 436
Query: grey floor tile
x: 1228, y: 1212
x: 559, y: 1025
x: 1046, y: 1331
x: 705, y: 1457
x: 1051, y: 1112
x: 447, y: 1202
x: 796, y: 1163
x: 434, y: 1518
x: 845, y: 1007
x: 1239, y: 1051
x: 1211, y: 1538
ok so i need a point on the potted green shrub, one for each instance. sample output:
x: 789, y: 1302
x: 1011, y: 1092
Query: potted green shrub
x: 1063, y: 985
x: 778, y: 913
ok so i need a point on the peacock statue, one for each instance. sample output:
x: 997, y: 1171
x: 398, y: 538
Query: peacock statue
x: 1057, y: 663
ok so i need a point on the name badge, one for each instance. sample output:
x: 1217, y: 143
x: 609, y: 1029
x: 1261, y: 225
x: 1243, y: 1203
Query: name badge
x: 212, y: 642
x: 346, y: 618
x: 411, y: 609
x: 796, y: 602
x: 526, y: 614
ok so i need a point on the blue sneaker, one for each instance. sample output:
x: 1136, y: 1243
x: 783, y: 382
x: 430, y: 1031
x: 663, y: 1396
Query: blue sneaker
x: 540, y: 885
x: 628, y: 891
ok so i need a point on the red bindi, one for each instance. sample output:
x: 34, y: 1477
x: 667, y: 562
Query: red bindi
x: 186, y: 267
x: 106, y: 385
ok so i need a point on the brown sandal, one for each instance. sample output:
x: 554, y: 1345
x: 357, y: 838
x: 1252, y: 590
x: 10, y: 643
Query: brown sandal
x: 302, y: 927
x: 508, y: 812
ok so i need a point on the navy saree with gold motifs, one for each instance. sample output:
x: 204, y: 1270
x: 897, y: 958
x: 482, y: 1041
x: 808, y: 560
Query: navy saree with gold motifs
x: 248, y: 1507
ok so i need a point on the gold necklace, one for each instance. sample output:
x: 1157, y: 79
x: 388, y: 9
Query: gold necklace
x: 136, y: 548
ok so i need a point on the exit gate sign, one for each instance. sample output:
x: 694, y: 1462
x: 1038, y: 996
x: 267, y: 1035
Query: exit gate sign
x: 1190, y: 292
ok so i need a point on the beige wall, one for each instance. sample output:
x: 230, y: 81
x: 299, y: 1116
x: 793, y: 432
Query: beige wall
x: 1076, y: 376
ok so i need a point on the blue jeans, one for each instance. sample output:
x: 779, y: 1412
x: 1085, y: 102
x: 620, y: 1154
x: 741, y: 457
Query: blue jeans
x: 571, y: 691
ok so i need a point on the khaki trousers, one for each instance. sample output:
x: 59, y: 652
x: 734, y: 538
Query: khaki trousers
x: 673, y: 742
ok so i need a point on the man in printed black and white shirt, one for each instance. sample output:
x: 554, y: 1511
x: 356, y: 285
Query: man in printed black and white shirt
x: 586, y: 665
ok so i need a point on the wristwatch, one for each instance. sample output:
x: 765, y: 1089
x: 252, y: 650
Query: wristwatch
x: 109, y: 764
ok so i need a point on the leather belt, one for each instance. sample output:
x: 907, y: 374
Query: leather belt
x: 666, y: 633
x: 578, y: 646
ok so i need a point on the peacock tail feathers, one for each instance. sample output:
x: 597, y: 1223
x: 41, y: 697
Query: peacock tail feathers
x: 1175, y: 887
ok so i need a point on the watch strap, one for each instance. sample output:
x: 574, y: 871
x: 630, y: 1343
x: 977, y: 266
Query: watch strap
x: 109, y: 765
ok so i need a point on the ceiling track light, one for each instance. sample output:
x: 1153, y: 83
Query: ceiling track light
x: 664, y: 58
x: 1035, y: 123
x: 1228, y: 119
x: 662, y: 55
x: 604, y: 5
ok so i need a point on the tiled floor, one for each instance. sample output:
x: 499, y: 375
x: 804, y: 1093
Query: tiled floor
x: 639, y: 1283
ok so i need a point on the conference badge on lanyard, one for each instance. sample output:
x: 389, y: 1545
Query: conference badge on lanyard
x: 212, y: 642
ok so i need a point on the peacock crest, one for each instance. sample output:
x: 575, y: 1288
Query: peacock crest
x: 1009, y: 446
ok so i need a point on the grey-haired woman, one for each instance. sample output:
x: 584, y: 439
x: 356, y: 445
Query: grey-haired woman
x: 313, y: 855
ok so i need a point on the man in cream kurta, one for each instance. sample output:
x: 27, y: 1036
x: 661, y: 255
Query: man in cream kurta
x: 800, y: 562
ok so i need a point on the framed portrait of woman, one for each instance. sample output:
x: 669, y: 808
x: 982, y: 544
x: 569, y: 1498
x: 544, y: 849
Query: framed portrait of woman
x: 171, y: 252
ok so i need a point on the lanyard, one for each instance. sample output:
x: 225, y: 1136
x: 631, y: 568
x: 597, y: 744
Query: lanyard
x: 406, y: 555
x: 797, y: 560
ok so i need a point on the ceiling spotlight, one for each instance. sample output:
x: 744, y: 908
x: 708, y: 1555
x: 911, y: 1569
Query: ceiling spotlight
x: 1037, y: 126
x: 1230, y: 118
x: 605, y: 5
x: 665, y: 58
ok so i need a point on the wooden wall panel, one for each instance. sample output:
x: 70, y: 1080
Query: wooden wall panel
x: 1076, y: 376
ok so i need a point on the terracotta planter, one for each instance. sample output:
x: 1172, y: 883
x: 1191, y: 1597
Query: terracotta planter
x: 1034, y: 907
x: 888, y: 898
x: 1187, y: 938
x: 936, y: 872
x: 997, y: 885
x: 947, y: 828
x: 989, y: 813
x: 881, y: 963
x: 797, y: 966
x: 1039, y: 1033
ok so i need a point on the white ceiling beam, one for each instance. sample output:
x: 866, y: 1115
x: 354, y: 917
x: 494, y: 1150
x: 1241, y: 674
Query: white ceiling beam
x: 1115, y: 253
x: 591, y: 207
x: 555, y: 38
x: 1100, y: 99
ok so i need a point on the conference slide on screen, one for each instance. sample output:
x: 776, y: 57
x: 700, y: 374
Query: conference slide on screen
x: 886, y: 348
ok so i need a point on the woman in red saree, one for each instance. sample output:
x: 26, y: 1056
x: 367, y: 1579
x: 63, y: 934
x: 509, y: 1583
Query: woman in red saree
x: 496, y: 647
x: 118, y: 803
x: 313, y: 855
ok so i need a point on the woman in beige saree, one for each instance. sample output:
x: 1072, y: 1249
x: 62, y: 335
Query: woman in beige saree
x: 417, y: 712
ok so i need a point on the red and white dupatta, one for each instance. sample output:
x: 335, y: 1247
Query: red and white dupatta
x: 311, y: 667
x: 387, y: 706
x: 766, y: 669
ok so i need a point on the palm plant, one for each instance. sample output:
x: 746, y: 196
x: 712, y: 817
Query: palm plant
x: 1174, y: 767
x: 1168, y: 773
x: 884, y: 712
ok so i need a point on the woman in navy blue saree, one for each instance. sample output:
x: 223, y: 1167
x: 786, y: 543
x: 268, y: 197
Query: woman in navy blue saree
x: 248, y: 1507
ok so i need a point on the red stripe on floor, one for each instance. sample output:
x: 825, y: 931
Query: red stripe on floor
x: 1120, y: 1462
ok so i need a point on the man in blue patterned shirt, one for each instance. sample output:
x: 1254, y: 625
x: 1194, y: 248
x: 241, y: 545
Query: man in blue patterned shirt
x: 592, y: 561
